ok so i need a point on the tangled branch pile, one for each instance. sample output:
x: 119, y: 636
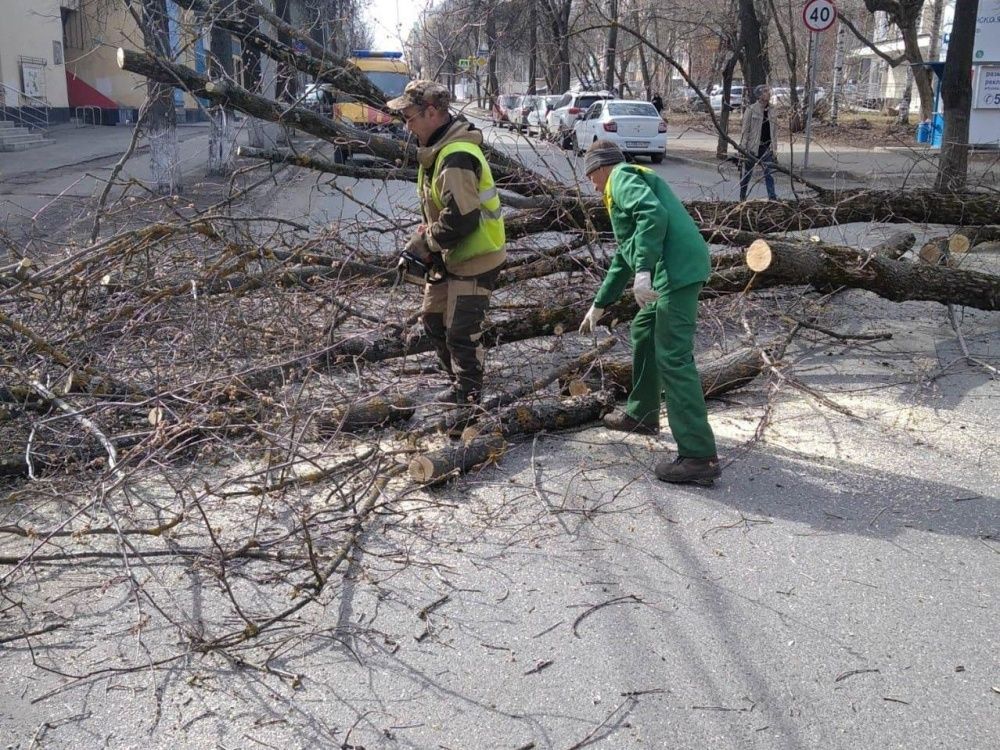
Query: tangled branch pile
x: 222, y: 393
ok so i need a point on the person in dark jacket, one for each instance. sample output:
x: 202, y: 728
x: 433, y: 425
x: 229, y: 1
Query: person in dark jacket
x: 657, y: 101
x: 462, y: 233
x: 757, y: 138
x: 662, y: 251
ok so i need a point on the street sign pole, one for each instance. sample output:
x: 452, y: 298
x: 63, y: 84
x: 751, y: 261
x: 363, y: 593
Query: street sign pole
x: 817, y: 15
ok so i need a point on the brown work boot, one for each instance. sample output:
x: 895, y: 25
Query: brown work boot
x: 622, y: 422
x: 681, y: 470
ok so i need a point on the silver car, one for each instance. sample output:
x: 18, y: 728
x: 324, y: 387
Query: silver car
x: 568, y: 110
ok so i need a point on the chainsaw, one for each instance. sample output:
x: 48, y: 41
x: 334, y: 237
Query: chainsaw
x: 418, y: 271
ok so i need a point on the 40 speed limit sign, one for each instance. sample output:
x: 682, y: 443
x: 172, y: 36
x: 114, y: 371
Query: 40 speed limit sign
x: 819, y: 15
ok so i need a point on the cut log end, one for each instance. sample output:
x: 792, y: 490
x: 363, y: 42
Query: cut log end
x: 421, y: 469
x: 959, y: 243
x: 759, y: 256
x: 121, y: 58
x: 440, y: 465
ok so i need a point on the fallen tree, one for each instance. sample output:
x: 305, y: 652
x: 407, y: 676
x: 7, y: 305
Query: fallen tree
x: 899, y: 281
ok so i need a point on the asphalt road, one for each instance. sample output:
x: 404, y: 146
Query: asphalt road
x: 838, y: 588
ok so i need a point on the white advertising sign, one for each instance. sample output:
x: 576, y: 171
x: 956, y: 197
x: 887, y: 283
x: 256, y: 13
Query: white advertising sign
x: 988, y: 88
x: 987, y: 44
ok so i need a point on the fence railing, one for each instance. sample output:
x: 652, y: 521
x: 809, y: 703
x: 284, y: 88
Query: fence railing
x: 88, y: 112
x: 26, y: 110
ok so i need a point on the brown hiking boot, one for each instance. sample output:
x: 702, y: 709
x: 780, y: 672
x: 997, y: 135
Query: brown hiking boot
x: 622, y: 422
x: 681, y: 470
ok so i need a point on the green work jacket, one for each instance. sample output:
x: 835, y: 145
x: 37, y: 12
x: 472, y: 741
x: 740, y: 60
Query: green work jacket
x: 654, y: 233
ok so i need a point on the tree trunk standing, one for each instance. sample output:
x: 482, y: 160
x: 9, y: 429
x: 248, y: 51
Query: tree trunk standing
x: 904, y: 103
x: 905, y: 14
x: 722, y: 145
x: 956, y: 87
x: 753, y: 47
x: 557, y: 13
x: 921, y: 75
x: 611, y: 47
x: 786, y: 34
x: 532, y: 45
x: 647, y: 79
x: 249, y: 54
x: 934, y: 51
x: 161, y: 116
x: 222, y: 133
x: 286, y: 82
x: 492, y: 81
x: 838, y: 72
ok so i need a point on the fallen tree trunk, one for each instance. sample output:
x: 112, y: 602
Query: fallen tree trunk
x: 896, y: 280
x: 845, y: 207
x: 323, y: 64
x: 374, y: 412
x: 509, y: 173
x: 320, y: 164
x: 445, y: 463
x: 556, y: 415
x: 718, y: 376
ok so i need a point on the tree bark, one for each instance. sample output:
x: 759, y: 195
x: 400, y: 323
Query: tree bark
x: 509, y: 173
x: 896, y: 280
x: 374, y: 412
x: 753, y: 37
x: 244, y: 23
x: 222, y: 133
x: 956, y: 88
x: 611, y: 46
x: 161, y: 115
x: 443, y: 464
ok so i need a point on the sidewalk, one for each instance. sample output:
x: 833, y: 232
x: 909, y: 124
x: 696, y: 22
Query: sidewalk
x: 865, y: 165
x: 74, y: 147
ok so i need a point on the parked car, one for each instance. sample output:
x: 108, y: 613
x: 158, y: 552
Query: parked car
x: 635, y: 126
x: 735, y: 98
x: 538, y: 120
x: 570, y: 108
x: 501, y: 112
x: 319, y: 97
x: 518, y: 116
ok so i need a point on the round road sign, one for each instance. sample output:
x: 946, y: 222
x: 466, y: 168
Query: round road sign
x: 819, y: 15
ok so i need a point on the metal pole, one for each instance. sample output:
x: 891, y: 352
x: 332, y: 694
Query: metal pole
x: 810, y: 85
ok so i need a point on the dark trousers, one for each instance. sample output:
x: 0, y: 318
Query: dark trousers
x: 766, y: 162
x: 453, y: 314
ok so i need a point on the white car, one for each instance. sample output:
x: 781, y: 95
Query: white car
x: 735, y: 98
x: 635, y: 126
x: 568, y: 110
x: 538, y: 120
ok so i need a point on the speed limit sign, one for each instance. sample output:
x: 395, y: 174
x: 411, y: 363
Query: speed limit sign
x: 819, y: 15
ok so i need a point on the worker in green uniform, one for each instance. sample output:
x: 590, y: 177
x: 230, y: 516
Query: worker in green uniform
x: 659, y: 245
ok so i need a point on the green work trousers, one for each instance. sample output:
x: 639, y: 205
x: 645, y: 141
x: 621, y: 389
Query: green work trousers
x: 663, y: 360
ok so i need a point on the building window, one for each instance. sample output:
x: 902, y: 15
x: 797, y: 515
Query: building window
x: 57, y: 53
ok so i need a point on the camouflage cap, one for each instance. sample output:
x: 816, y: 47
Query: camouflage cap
x: 422, y: 94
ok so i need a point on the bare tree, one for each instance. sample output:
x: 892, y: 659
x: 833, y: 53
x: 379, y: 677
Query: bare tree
x: 956, y: 88
x: 905, y: 15
x: 161, y: 116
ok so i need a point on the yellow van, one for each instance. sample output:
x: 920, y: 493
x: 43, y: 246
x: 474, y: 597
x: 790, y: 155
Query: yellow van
x: 390, y: 74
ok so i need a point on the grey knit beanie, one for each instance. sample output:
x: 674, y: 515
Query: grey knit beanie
x: 600, y: 154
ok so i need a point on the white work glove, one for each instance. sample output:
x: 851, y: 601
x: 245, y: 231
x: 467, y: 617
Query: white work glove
x: 643, y: 289
x: 590, y: 319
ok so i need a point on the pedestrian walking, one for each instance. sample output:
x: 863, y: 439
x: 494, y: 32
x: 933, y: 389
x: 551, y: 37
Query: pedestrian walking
x: 657, y: 101
x: 757, y: 139
x: 461, y: 240
x: 661, y: 248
